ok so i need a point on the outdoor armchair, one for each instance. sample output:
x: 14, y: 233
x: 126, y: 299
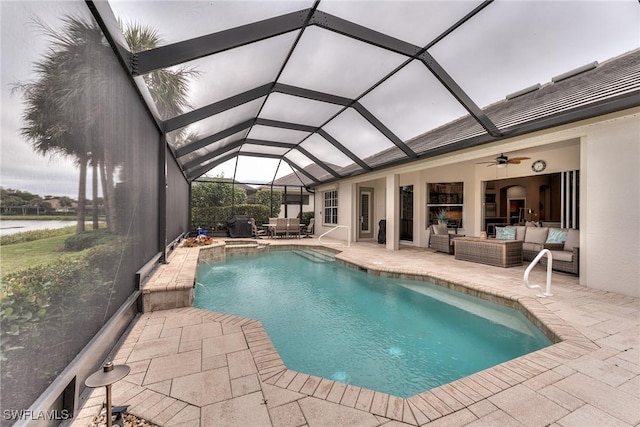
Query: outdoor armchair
x: 441, y: 240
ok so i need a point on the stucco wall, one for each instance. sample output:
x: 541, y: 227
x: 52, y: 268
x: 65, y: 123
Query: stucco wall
x: 606, y: 150
x: 346, y: 192
x: 610, y: 209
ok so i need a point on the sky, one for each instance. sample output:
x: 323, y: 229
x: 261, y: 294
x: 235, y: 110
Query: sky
x: 20, y: 167
x: 508, y: 46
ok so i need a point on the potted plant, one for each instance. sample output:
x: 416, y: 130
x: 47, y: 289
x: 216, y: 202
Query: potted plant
x: 200, y: 240
x: 442, y: 216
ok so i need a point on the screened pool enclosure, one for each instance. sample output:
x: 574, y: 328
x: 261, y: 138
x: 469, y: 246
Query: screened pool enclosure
x: 131, y: 101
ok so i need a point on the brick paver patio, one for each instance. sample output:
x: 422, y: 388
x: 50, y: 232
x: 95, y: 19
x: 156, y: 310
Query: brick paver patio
x: 191, y: 367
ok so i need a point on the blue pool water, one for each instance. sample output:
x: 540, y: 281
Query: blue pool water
x: 399, y: 337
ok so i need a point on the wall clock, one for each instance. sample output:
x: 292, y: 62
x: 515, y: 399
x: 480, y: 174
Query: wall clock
x: 538, y: 166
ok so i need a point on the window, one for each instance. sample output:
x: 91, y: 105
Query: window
x: 445, y: 198
x: 331, y: 207
x: 296, y: 199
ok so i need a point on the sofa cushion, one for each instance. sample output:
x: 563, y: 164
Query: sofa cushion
x: 536, y: 235
x: 565, y: 256
x: 505, y: 233
x: 535, y: 247
x: 556, y: 235
x: 440, y: 229
x: 521, y: 231
x: 573, y: 240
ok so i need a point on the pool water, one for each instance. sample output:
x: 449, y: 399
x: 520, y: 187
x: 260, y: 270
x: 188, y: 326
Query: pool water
x: 399, y: 337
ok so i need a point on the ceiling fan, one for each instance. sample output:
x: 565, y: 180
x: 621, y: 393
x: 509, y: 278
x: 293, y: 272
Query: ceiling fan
x: 502, y: 161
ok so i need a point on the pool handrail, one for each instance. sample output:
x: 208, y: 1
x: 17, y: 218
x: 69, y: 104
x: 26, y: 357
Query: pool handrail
x: 525, y: 279
x: 333, y: 229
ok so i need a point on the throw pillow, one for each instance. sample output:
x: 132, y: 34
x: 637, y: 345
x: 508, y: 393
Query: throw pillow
x: 536, y: 235
x: 505, y: 233
x: 556, y: 236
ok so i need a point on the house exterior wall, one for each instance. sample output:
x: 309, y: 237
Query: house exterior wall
x: 610, y: 212
x: 606, y: 150
x: 293, y: 211
x: 346, y: 207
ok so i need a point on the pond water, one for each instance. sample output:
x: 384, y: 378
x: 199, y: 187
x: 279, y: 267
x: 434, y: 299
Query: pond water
x: 8, y: 227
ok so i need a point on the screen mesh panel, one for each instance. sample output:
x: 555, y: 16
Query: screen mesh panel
x: 100, y: 125
x: 177, y: 200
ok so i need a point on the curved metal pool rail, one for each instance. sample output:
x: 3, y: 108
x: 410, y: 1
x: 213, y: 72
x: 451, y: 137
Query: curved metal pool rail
x: 547, y: 292
x: 333, y: 229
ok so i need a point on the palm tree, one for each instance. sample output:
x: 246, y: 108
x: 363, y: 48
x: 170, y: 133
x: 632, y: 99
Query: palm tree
x: 63, y: 103
x: 168, y: 88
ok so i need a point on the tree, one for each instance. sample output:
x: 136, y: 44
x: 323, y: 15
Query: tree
x: 272, y: 199
x: 38, y: 203
x: 168, y: 88
x: 63, y: 103
x: 66, y: 202
x: 210, y: 194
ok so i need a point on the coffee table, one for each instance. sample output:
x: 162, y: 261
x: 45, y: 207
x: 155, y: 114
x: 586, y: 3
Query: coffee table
x: 501, y: 253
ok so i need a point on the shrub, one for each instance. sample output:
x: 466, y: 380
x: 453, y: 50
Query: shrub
x: 104, y: 259
x: 85, y: 240
x: 39, y: 307
x: 258, y: 212
x: 29, y: 236
x: 210, y: 217
x: 306, y: 216
x: 213, y: 218
x: 36, y: 296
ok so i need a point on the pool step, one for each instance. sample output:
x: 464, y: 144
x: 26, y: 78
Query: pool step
x: 314, y: 255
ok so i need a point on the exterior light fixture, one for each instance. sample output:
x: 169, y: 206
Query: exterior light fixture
x: 109, y: 374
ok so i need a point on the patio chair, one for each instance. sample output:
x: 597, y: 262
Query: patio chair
x: 280, y: 229
x: 271, y: 227
x: 293, y: 227
x: 255, y: 230
x: 441, y: 240
x: 309, y: 229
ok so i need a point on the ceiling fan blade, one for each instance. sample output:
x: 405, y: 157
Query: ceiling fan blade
x: 519, y: 159
x: 484, y: 163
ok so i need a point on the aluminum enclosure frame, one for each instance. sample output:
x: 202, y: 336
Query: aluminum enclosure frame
x: 225, y: 40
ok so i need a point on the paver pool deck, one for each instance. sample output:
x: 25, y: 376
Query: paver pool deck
x: 191, y: 367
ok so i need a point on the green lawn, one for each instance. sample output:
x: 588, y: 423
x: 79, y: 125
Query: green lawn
x: 28, y: 254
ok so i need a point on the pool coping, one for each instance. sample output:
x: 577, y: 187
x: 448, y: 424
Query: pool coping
x: 568, y: 344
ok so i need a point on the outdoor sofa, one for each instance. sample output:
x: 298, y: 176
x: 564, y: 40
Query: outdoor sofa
x: 566, y: 256
x: 563, y: 244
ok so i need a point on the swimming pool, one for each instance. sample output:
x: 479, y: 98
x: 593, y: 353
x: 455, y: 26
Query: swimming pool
x: 399, y: 337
